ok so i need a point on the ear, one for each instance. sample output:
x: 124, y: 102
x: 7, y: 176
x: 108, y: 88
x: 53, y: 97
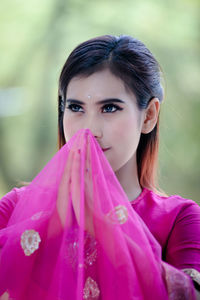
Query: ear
x: 151, y: 116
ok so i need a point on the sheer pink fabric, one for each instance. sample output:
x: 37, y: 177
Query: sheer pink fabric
x: 74, y: 235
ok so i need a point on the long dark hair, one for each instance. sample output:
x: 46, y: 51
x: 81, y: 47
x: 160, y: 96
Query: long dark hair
x: 131, y: 61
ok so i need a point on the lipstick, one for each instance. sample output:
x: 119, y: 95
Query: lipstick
x: 105, y: 149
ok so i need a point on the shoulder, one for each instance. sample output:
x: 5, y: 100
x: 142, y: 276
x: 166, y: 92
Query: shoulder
x: 163, y: 213
x: 8, y: 203
x: 12, y: 196
x: 173, y: 204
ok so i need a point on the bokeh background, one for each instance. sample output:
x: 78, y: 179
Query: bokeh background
x: 35, y: 39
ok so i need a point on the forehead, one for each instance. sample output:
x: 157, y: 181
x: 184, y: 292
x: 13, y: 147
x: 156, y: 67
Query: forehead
x: 99, y: 85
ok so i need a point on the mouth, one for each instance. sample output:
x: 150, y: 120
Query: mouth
x: 105, y: 149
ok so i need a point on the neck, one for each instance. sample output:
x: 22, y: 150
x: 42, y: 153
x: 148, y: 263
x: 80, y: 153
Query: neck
x: 128, y: 178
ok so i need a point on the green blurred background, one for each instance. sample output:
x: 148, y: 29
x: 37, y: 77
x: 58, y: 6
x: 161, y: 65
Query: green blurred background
x: 35, y: 40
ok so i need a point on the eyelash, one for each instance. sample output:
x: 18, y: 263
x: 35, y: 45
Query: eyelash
x: 71, y: 106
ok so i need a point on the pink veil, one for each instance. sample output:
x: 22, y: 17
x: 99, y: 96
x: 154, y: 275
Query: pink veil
x: 74, y: 235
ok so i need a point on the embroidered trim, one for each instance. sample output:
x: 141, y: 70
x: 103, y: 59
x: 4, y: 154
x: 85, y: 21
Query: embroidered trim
x: 194, y: 274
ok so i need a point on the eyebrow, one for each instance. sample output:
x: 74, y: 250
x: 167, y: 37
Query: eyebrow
x: 75, y: 101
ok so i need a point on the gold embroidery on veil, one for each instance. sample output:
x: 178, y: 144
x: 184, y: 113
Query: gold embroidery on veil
x: 194, y: 274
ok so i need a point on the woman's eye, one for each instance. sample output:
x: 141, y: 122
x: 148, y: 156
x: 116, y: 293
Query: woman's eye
x: 111, y: 108
x: 74, y: 107
x: 108, y: 108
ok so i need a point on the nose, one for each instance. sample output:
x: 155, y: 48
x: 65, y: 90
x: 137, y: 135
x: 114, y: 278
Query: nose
x: 95, y: 126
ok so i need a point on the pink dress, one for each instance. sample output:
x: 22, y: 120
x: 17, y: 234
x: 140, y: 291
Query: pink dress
x: 179, y: 219
x: 132, y: 250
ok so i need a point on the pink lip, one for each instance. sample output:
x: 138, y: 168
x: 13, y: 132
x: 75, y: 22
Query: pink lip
x: 105, y: 149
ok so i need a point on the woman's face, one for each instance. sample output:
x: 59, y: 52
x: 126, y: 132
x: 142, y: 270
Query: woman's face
x: 101, y: 103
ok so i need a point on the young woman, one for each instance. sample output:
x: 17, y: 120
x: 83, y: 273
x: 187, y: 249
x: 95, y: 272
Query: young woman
x: 93, y: 224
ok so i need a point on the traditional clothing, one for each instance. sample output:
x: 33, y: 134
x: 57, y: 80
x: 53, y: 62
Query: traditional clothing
x: 72, y: 233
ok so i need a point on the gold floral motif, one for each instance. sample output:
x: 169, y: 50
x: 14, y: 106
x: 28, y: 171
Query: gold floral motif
x: 6, y: 296
x: 91, y: 290
x: 178, y: 284
x: 90, y: 249
x: 118, y: 215
x: 30, y: 240
x: 39, y: 215
x: 194, y: 274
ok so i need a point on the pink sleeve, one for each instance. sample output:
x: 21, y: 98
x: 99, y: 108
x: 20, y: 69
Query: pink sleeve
x: 7, y: 204
x: 183, y: 247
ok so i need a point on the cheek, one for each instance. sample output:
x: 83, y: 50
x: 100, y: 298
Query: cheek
x: 127, y: 130
x: 70, y: 126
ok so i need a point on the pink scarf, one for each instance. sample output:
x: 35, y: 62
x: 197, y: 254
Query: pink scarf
x: 74, y: 235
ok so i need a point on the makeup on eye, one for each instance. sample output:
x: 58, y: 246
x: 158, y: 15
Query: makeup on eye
x: 76, y: 107
x: 113, y: 106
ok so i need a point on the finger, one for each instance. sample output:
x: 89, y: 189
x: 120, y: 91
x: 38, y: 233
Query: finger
x: 63, y: 198
x: 76, y: 183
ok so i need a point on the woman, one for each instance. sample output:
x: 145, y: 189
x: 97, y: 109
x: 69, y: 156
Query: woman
x: 92, y: 224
